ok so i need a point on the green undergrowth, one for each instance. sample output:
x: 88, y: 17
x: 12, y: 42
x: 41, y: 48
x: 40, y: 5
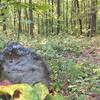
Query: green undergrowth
x: 72, y: 79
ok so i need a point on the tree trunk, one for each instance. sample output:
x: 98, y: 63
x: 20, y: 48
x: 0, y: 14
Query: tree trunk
x: 58, y: 16
x: 49, y: 16
x: 78, y: 12
x: 4, y: 20
x: 92, y: 19
x: 52, y: 13
x: 67, y: 16
x: 19, y: 20
x: 31, y: 18
x: 46, y: 20
x: 38, y: 22
x: 14, y: 19
x: 42, y: 23
x: 26, y: 18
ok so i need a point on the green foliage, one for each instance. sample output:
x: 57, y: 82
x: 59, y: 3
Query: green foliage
x: 25, y: 91
x: 1, y: 44
x: 72, y: 75
x: 82, y: 97
x: 56, y: 97
x: 28, y: 92
x: 68, y: 76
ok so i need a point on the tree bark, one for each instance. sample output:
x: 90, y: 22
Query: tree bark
x: 92, y: 19
x: 78, y: 12
x: 38, y: 22
x: 19, y: 19
x: 31, y: 18
x: 26, y: 18
x: 67, y: 16
x: 52, y: 13
x: 58, y: 16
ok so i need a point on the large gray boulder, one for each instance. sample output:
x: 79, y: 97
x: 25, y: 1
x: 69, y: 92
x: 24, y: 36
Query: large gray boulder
x: 21, y: 65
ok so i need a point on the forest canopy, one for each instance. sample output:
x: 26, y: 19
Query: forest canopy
x: 76, y: 17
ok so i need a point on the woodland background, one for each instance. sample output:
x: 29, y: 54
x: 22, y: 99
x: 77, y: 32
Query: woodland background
x: 76, y: 17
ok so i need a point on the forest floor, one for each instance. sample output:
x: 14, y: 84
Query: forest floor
x: 92, y: 53
x: 74, y: 63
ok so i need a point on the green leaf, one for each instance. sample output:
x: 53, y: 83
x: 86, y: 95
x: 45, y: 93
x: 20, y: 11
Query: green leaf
x: 25, y: 91
x: 82, y: 97
x: 55, y: 97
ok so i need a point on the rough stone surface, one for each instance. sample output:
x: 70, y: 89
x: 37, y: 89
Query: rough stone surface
x: 21, y: 65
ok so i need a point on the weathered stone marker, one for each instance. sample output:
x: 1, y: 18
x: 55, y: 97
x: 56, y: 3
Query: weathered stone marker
x: 21, y: 65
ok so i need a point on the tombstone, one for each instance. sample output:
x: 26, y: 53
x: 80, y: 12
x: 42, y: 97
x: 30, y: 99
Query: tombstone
x: 21, y: 65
